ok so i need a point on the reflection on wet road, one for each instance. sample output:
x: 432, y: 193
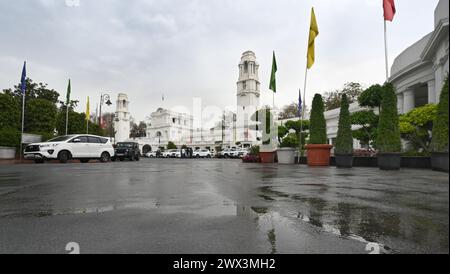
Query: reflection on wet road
x: 220, y: 206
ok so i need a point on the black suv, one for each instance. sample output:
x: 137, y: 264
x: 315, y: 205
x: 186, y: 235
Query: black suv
x: 127, y: 150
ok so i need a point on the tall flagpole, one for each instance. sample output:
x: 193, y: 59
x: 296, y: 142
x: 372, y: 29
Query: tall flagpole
x: 67, y: 119
x: 386, y: 52
x: 303, y: 112
x: 23, y: 89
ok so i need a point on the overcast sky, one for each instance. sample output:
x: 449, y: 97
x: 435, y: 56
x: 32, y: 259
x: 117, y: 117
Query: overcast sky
x: 191, y: 48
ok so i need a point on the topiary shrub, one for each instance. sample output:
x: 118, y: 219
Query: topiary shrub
x: 10, y: 137
x: 344, y: 141
x: 388, y: 137
x: 171, y: 145
x: 254, y: 150
x: 439, y: 142
x: 290, y: 141
x: 318, y: 125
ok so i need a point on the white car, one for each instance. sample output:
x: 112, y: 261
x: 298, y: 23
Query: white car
x: 228, y: 153
x: 202, y: 153
x: 172, y: 153
x: 243, y: 152
x: 82, y: 147
x: 151, y: 154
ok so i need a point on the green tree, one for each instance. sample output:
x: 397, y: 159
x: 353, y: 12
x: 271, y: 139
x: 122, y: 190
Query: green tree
x: 10, y: 112
x: 10, y: 137
x: 77, y: 123
x: 416, y: 127
x: 282, y: 131
x: 40, y: 116
x: 344, y: 142
x: 372, y: 96
x: 368, y: 121
x: 171, y: 145
x: 34, y: 91
x: 291, y: 140
x: 333, y: 99
x: 318, y: 126
x: 440, y: 128
x: 388, y: 139
x: 138, y: 131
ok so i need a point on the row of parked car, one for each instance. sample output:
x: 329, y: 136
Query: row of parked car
x: 199, y: 153
x: 87, y: 147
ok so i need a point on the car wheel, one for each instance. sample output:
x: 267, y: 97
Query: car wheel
x: 84, y: 161
x: 198, y: 156
x: 138, y: 158
x: 105, y: 157
x: 63, y: 157
x: 39, y: 161
x: 208, y: 156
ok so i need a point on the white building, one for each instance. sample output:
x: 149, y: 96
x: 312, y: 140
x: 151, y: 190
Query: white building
x: 122, y: 119
x: 418, y: 73
x: 233, y: 130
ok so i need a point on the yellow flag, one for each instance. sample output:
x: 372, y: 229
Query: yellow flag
x: 313, y: 33
x: 88, y: 110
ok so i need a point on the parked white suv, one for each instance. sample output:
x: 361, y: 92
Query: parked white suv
x: 172, y: 153
x: 82, y: 147
x: 202, y: 153
x: 228, y: 153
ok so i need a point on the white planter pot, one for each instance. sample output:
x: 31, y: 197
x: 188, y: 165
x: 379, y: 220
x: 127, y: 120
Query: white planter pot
x: 286, y: 156
x: 7, y: 153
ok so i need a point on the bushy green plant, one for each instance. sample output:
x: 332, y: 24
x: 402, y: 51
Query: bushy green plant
x: 10, y: 111
x: 344, y: 141
x: 416, y: 126
x: 10, y: 137
x: 440, y: 128
x: 171, y: 145
x: 254, y: 150
x: 318, y: 125
x: 388, y: 139
x: 291, y: 140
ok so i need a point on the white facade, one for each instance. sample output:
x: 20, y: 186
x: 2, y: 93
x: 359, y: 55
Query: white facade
x: 165, y: 125
x: 418, y: 73
x: 233, y: 130
x: 122, y: 119
x: 248, y: 98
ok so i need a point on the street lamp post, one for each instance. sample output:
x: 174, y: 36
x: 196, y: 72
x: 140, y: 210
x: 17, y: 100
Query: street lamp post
x: 104, y: 99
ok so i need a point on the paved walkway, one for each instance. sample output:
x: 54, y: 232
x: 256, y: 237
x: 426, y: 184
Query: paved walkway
x: 220, y: 206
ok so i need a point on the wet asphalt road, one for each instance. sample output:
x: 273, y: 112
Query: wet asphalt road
x: 220, y: 206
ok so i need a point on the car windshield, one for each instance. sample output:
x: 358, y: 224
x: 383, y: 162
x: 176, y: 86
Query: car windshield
x: 59, y: 139
x: 125, y: 145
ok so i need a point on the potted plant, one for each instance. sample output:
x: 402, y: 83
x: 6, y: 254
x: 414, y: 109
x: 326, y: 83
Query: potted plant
x: 288, y: 148
x: 388, y: 137
x: 439, y: 143
x: 344, y: 140
x: 253, y: 156
x: 318, y: 148
x: 267, y: 151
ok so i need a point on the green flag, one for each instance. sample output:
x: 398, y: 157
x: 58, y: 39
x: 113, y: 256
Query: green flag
x: 273, y: 81
x: 68, y: 94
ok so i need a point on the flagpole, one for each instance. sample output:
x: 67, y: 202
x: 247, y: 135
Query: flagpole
x: 23, y: 125
x: 67, y: 119
x: 303, y: 112
x: 386, y: 51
